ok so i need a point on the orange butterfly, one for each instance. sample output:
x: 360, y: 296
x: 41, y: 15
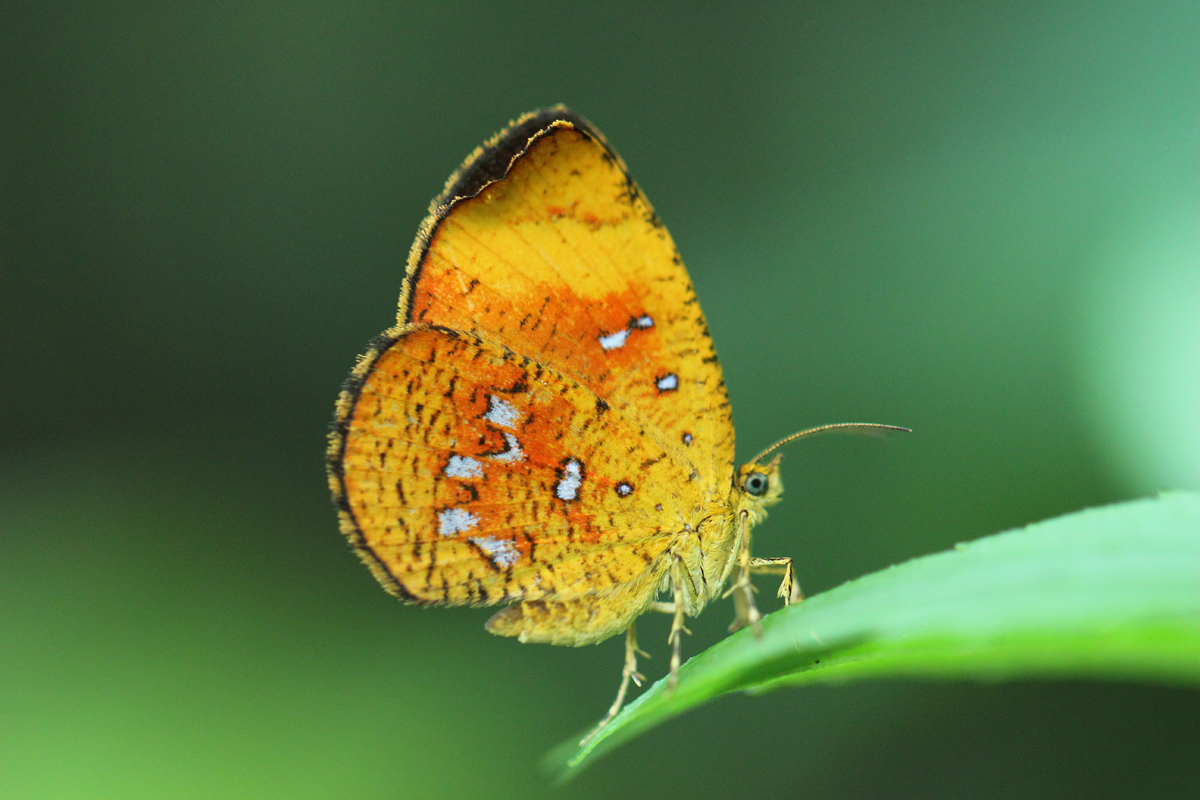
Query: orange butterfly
x: 546, y: 426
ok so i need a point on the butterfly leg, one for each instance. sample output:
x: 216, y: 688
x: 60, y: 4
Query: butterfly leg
x: 789, y: 590
x: 675, y: 639
x: 745, y: 610
x: 629, y: 673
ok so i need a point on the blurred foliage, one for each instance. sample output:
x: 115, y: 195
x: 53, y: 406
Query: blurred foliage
x: 959, y: 218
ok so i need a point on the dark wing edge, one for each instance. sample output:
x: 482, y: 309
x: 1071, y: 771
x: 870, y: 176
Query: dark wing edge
x: 492, y: 160
x: 335, y: 453
x: 489, y: 164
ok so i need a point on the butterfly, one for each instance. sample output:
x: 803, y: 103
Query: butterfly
x: 546, y: 426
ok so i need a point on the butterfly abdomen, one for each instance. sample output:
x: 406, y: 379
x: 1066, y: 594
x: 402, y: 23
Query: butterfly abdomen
x: 589, y: 619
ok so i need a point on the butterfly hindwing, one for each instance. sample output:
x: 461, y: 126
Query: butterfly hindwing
x: 468, y: 474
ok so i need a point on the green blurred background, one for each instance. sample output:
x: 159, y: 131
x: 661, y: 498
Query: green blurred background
x: 978, y: 220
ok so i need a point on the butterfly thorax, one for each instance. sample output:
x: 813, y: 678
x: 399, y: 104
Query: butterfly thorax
x: 709, y: 554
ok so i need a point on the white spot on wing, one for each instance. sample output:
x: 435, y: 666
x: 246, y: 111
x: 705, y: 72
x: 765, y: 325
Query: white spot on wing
x: 502, y: 552
x: 512, y: 454
x: 668, y: 382
x: 644, y: 321
x: 501, y: 412
x: 455, y: 520
x: 463, y: 467
x: 572, y: 478
x: 614, y: 340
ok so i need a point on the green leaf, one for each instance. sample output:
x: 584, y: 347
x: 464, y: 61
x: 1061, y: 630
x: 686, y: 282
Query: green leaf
x: 1110, y: 593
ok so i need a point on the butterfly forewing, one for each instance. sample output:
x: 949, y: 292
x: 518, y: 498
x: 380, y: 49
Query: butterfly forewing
x: 470, y: 474
x: 563, y: 260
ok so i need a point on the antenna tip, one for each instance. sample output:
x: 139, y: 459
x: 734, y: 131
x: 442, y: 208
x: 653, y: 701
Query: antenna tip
x: 873, y: 429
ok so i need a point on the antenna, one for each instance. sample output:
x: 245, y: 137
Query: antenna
x: 863, y: 428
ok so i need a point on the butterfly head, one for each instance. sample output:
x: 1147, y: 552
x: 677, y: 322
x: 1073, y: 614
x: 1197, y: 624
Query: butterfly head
x: 758, y: 485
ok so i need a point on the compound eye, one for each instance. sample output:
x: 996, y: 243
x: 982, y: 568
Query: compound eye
x: 756, y: 484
